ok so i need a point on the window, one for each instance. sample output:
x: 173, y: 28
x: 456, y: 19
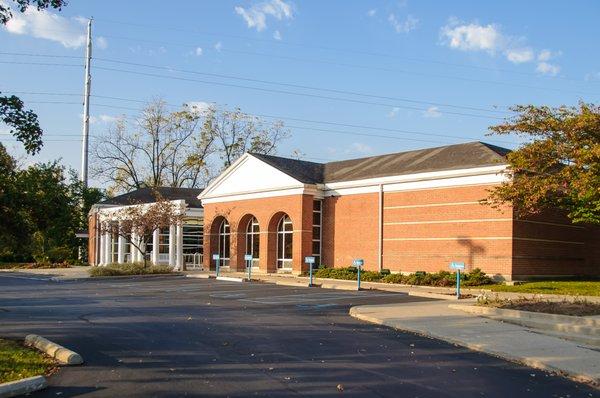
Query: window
x: 163, y: 241
x: 285, y: 234
x: 224, y: 234
x: 253, y: 240
x: 114, y: 248
x: 193, y: 243
x: 317, y: 231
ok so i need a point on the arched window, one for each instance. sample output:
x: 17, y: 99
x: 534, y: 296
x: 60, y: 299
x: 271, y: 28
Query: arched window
x: 284, y: 242
x: 224, y: 234
x: 253, y: 240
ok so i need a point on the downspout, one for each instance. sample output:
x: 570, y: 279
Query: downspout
x: 380, y: 230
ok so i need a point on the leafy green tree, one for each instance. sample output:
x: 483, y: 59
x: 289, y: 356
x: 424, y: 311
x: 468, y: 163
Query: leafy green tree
x: 24, y: 123
x: 559, y: 167
x: 41, y: 210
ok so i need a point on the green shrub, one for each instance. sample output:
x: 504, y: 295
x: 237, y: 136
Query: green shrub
x: 476, y: 277
x: 394, y: 278
x: 129, y: 269
x: 348, y: 273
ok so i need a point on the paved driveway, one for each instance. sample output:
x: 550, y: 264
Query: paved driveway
x: 175, y: 336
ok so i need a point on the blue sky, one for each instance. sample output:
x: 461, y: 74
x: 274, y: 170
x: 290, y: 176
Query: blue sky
x: 427, y: 73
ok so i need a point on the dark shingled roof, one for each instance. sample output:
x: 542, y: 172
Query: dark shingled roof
x: 148, y: 195
x: 450, y: 157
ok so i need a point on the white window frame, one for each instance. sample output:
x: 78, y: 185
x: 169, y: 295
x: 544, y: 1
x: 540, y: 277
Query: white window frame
x: 251, y: 235
x: 224, y: 233
x: 283, y: 262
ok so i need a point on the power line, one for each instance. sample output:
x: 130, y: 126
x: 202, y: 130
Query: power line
x: 430, y: 134
x: 289, y: 92
x: 342, y: 50
x: 40, y: 55
x: 300, y: 86
x: 410, y: 100
x: 39, y: 63
x: 392, y: 70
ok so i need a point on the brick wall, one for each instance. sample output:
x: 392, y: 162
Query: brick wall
x: 268, y: 212
x: 92, y: 248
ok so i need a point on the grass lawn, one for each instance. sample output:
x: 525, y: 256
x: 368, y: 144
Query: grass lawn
x: 578, y: 288
x: 18, y: 362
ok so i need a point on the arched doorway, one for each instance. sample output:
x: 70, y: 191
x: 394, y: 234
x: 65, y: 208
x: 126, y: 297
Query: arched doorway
x: 224, y: 242
x: 285, y: 237
x: 253, y: 241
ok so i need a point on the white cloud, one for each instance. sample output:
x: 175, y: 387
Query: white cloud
x: 277, y: 35
x: 405, y: 26
x: 432, y: 112
x: 256, y: 15
x: 546, y: 68
x: 393, y: 113
x: 199, y: 107
x: 101, y: 43
x: 70, y: 32
x: 372, y: 12
x: 102, y: 119
x: 218, y: 46
x: 519, y: 56
x: 198, y: 51
x: 592, y: 76
x: 472, y: 37
x: 490, y: 39
x: 544, y: 55
x: 359, y: 148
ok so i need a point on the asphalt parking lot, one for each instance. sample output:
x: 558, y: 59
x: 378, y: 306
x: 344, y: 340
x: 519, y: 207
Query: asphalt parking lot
x: 174, y: 336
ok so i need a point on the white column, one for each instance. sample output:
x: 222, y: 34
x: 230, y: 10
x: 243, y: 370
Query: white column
x: 121, y: 250
x: 101, y: 250
x: 108, y: 249
x: 133, y: 250
x: 155, y: 246
x: 180, y: 264
x: 172, y: 244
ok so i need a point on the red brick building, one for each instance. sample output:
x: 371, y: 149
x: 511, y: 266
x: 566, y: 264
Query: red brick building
x: 406, y: 212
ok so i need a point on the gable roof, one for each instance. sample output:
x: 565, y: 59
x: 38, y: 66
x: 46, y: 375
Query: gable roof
x: 449, y: 157
x: 148, y: 195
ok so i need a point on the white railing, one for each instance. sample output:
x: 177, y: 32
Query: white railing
x: 193, y: 260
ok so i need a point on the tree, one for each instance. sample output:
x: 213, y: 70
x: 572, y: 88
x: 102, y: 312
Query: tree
x: 237, y: 133
x: 24, y: 123
x: 185, y: 148
x: 23, y: 5
x: 560, y: 165
x: 40, y: 209
x: 157, y: 149
x: 136, y: 223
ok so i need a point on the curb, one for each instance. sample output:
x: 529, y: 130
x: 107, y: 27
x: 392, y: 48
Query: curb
x: 230, y: 279
x: 355, y: 312
x: 536, y: 316
x: 23, y: 386
x: 199, y: 276
x: 438, y: 296
x: 60, y: 353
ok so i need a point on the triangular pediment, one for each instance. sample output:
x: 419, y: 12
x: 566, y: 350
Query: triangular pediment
x: 248, y: 175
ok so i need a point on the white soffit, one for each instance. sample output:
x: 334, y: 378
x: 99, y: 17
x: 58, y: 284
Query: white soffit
x: 250, y: 175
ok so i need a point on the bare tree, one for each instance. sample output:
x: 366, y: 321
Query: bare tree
x: 185, y: 148
x: 236, y: 133
x: 136, y: 223
x: 158, y: 149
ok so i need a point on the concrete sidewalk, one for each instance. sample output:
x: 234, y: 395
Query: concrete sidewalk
x: 512, y: 342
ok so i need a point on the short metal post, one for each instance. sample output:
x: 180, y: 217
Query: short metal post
x: 358, y: 278
x: 310, y: 274
x: 217, y: 267
x: 457, y: 283
x: 249, y: 270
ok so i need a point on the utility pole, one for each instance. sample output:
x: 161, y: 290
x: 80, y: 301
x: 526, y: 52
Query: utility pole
x: 86, y: 107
